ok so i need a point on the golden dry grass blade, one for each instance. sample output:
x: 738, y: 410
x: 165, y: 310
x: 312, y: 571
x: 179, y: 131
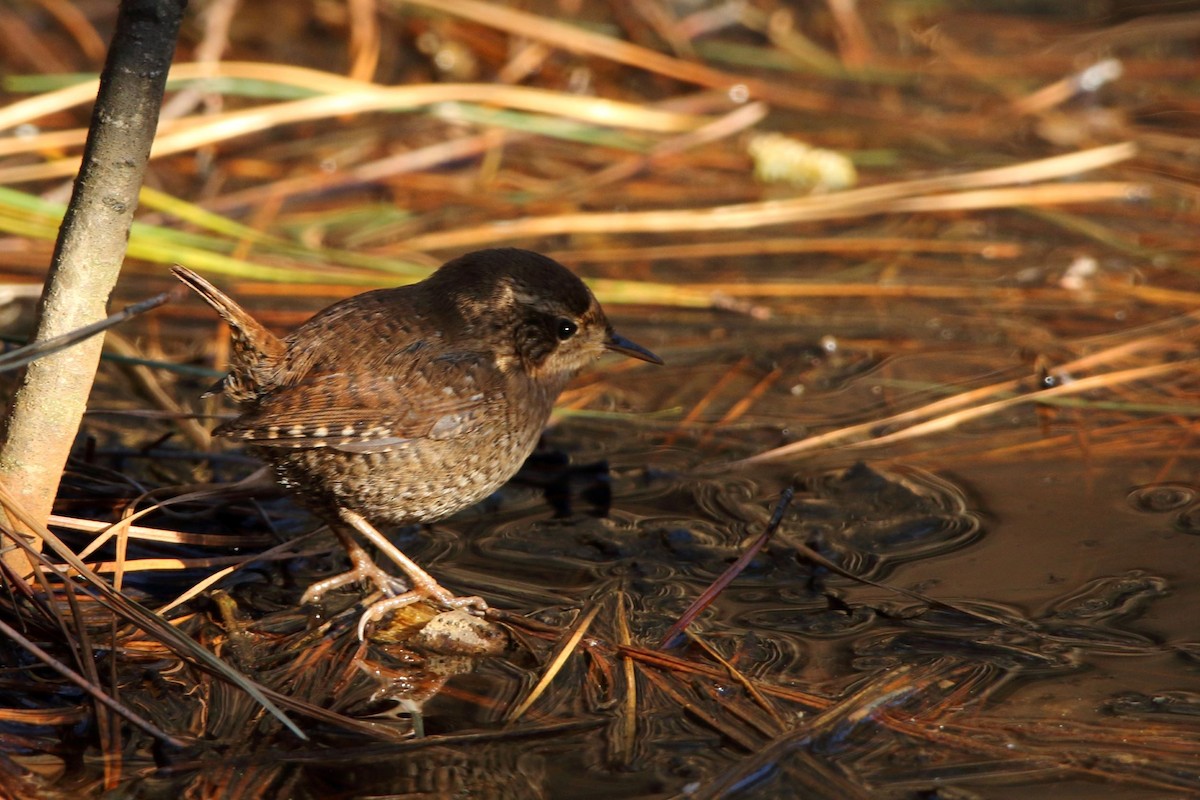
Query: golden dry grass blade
x: 626, y: 727
x: 734, y: 122
x: 77, y: 22
x: 715, y: 722
x: 137, y: 614
x: 89, y: 687
x: 746, y: 402
x: 364, y: 38
x: 162, y: 564
x: 350, y: 97
x: 284, y: 551
x: 699, y: 408
x: 660, y: 660
x: 420, y: 158
x: 578, y: 40
x: 31, y: 109
x: 783, y: 245
x: 1055, y: 194
x: 846, y: 437
x: 557, y: 661
x: 148, y: 381
x: 840, y: 205
x: 125, y: 527
x: 828, y: 732
x: 1105, y: 381
x: 740, y: 677
x: 864, y: 434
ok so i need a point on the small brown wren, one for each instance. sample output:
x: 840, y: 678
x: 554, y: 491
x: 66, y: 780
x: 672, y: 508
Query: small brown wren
x: 406, y: 405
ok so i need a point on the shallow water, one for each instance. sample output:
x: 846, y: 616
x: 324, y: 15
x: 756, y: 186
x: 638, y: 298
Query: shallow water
x: 1050, y: 641
x: 1081, y: 576
x: 1029, y: 628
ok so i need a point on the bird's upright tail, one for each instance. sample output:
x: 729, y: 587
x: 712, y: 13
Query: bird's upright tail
x: 257, y: 353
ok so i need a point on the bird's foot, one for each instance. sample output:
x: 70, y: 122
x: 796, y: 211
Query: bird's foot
x: 422, y: 586
x: 362, y: 569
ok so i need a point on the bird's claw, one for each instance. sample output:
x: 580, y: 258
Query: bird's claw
x: 362, y: 569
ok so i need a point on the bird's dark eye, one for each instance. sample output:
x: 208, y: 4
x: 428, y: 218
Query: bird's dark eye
x: 565, y: 328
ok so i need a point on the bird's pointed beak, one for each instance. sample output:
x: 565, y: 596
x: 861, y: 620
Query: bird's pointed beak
x: 619, y: 344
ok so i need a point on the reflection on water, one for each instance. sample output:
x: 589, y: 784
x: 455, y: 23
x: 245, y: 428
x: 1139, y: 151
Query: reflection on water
x: 1176, y: 499
x: 1035, y: 599
x: 1049, y: 608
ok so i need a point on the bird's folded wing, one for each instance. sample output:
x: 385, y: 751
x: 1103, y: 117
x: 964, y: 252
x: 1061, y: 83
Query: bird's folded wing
x: 440, y: 398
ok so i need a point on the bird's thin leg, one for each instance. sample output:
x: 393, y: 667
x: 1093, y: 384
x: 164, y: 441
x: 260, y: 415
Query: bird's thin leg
x: 422, y: 584
x: 362, y: 568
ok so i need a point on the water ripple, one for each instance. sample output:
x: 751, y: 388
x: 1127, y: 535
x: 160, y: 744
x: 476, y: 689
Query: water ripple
x: 1158, y: 498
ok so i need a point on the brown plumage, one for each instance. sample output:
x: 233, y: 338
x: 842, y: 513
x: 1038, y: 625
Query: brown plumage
x: 405, y: 405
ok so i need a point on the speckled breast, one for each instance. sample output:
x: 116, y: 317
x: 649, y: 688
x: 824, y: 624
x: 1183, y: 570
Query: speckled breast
x: 421, y: 480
